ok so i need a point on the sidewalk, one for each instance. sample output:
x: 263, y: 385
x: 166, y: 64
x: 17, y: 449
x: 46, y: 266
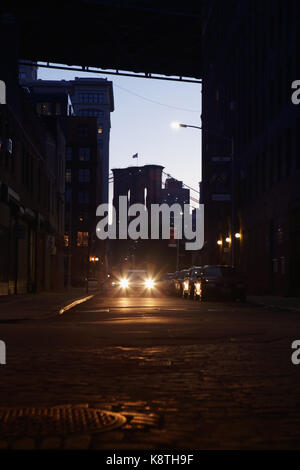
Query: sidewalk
x: 283, y: 303
x: 41, y: 305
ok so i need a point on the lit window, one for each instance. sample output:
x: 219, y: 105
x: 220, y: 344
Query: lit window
x: 68, y: 175
x: 44, y: 108
x: 84, y: 154
x: 100, y: 130
x: 66, y: 240
x: 82, y: 238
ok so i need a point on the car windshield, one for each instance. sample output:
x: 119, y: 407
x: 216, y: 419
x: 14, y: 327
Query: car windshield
x: 197, y: 272
x: 137, y: 276
x: 182, y: 274
x: 168, y: 276
x: 217, y: 271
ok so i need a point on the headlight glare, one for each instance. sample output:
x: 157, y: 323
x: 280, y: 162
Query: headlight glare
x: 149, y: 283
x: 124, y: 283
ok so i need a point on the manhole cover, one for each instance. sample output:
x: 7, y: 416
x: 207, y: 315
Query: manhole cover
x: 56, y: 421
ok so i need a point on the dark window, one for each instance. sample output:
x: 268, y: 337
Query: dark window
x: 83, y: 131
x: 91, y: 112
x: 68, y: 195
x: 84, y: 175
x: 83, y: 196
x: 91, y: 98
x: 69, y: 153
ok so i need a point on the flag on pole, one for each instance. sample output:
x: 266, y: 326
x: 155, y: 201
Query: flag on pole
x: 135, y: 155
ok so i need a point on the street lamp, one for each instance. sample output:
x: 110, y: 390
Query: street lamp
x: 177, y: 125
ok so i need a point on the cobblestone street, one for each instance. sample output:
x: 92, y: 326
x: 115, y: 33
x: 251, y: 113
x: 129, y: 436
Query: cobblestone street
x: 183, y: 374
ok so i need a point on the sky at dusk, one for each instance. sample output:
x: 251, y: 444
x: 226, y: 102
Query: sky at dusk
x: 141, y: 125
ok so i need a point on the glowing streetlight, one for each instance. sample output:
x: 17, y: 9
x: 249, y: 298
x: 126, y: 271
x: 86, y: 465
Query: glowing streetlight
x: 228, y: 239
x: 219, y: 242
x: 175, y: 125
x: 237, y: 235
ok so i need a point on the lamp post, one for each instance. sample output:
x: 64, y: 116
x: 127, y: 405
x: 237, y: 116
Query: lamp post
x: 177, y: 125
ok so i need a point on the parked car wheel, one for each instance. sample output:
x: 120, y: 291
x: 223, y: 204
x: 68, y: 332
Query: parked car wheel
x: 243, y: 297
x: 195, y: 296
x: 203, y: 295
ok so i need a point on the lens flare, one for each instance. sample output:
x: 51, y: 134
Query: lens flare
x: 149, y: 283
x: 124, y: 283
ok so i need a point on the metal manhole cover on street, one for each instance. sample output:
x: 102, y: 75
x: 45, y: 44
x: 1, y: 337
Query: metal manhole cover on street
x: 56, y: 421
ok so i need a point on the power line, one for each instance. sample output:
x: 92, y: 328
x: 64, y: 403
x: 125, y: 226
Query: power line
x: 183, y: 184
x: 156, y: 102
x: 111, y: 179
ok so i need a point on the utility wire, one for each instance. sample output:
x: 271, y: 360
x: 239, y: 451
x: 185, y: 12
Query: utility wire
x: 157, y: 102
x: 189, y: 187
x: 111, y: 179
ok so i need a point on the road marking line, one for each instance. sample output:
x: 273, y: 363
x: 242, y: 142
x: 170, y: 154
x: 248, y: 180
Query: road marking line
x: 73, y: 304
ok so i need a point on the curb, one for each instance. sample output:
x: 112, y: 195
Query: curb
x: 272, y: 306
x: 57, y: 310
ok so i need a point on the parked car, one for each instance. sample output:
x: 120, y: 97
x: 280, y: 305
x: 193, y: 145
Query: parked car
x: 167, y: 283
x: 178, y: 281
x: 220, y: 281
x: 190, y: 280
x: 93, y: 283
x: 110, y: 285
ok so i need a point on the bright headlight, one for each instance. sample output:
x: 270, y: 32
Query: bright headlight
x: 149, y: 283
x: 124, y: 283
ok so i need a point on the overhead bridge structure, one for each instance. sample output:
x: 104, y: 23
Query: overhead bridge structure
x: 139, y: 36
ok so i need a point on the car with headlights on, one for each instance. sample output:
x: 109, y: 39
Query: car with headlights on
x: 220, y: 281
x: 137, y: 282
x: 188, y: 286
x: 178, y: 281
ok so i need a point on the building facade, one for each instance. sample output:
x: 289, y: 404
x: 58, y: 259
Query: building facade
x: 143, y: 185
x: 32, y: 200
x: 250, y: 144
x: 83, y: 195
x: 89, y: 97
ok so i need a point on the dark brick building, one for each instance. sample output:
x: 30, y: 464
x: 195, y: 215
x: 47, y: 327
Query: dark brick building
x: 32, y: 200
x: 143, y: 185
x: 250, y: 52
x: 83, y: 195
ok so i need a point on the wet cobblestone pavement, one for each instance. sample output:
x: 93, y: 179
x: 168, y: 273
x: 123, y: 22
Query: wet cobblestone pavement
x: 183, y: 374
